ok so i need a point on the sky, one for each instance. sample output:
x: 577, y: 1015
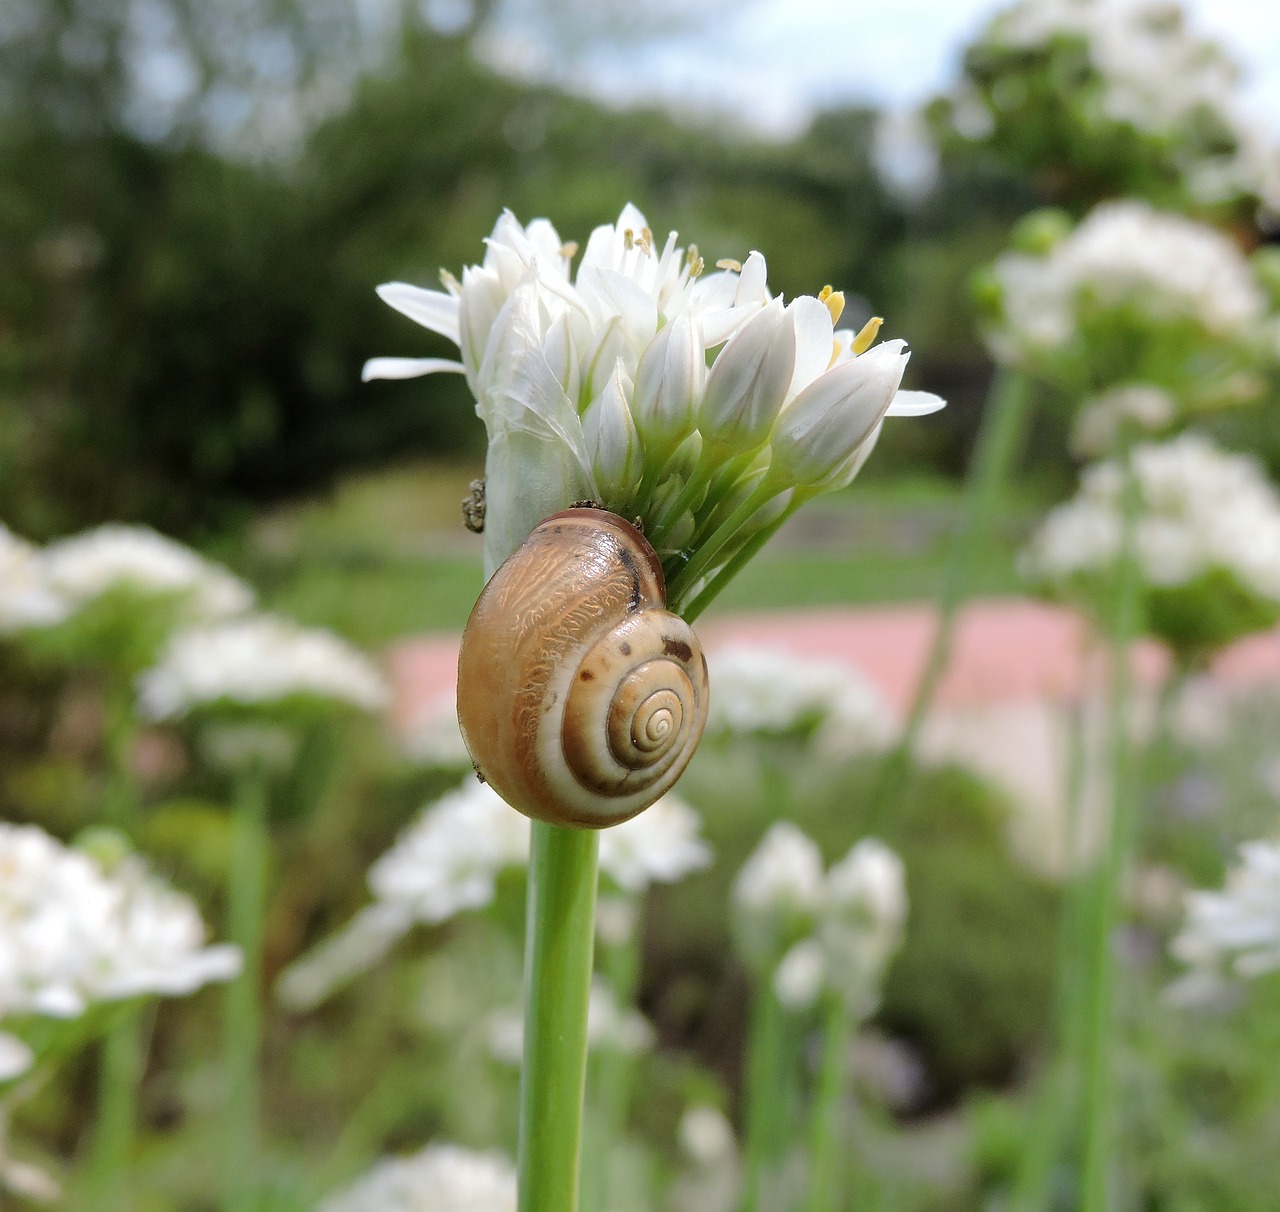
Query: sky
x: 768, y: 64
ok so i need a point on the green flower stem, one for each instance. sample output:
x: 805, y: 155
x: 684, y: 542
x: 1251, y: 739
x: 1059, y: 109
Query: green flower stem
x: 765, y: 1109
x: 1060, y: 1088
x: 733, y: 566
x: 1098, y: 1024
x: 694, y: 487
x: 826, y: 1139
x: 559, y: 940
x: 246, y: 904
x: 705, y: 556
x: 120, y: 1074
x: 999, y: 441
x: 123, y: 1050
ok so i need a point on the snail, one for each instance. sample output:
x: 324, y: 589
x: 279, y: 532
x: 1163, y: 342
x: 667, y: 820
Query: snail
x: 581, y: 698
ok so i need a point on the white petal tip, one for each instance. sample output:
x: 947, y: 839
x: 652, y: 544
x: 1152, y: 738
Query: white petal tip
x: 915, y: 404
x: 408, y: 368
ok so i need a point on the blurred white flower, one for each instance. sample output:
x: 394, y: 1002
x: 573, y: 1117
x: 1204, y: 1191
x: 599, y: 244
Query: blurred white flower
x: 1124, y: 255
x: 1100, y: 421
x: 72, y: 933
x: 862, y: 924
x: 660, y: 846
x: 15, y: 1057
x: 609, y: 1026
x: 1165, y: 80
x: 769, y: 690
x: 448, y: 862
x: 1235, y: 932
x: 813, y: 930
x: 441, y: 1178
x: 782, y: 875
x: 26, y: 598
x: 255, y: 661
x: 800, y: 975
x: 1204, y: 512
x: 137, y: 559
x: 588, y: 383
x: 444, y: 863
x: 713, y: 1181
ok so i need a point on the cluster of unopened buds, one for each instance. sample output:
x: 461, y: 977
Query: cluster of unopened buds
x: 695, y: 402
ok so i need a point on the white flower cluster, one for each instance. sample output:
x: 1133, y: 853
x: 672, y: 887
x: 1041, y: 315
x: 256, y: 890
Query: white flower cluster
x: 1235, y: 932
x: 1163, y: 79
x: 25, y: 597
x: 136, y: 558
x: 1202, y: 510
x: 1124, y: 254
x: 595, y: 384
x: 41, y: 587
x: 256, y: 660
x: 609, y: 1026
x: 769, y: 690
x: 441, y: 1178
x: 835, y: 930
x: 448, y: 862
x: 72, y: 933
x: 1102, y: 419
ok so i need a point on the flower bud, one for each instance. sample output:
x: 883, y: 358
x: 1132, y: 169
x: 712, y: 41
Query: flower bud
x: 827, y: 422
x: 481, y: 300
x: 669, y: 380
x: 613, y: 446
x: 748, y: 383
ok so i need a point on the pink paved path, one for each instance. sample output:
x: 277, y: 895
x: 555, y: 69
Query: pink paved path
x: 1005, y: 650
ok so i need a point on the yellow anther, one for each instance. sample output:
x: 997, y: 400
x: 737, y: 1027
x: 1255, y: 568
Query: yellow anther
x: 449, y: 282
x: 628, y: 239
x: 696, y: 266
x: 834, y: 299
x: 867, y: 334
x: 645, y: 241
x: 570, y: 250
x: 730, y: 263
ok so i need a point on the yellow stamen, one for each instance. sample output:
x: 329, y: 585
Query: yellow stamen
x: 570, y: 250
x: 834, y: 299
x: 695, y: 262
x: 867, y: 334
x: 645, y: 241
x: 730, y: 263
x: 628, y: 239
x: 449, y: 282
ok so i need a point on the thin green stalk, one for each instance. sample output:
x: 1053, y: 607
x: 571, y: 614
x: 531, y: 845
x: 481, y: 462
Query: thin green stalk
x: 826, y: 1139
x: 694, y: 486
x: 1098, y: 1026
x: 763, y: 1094
x: 1052, y: 1112
x: 123, y: 1050
x: 999, y: 440
x: 246, y: 905
x: 732, y: 567
x: 120, y: 1073
x: 705, y: 555
x: 559, y: 940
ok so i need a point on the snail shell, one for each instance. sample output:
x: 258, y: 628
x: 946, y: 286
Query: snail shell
x: 580, y: 696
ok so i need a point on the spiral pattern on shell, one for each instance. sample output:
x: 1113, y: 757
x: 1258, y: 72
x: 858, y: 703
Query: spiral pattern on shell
x: 581, y: 698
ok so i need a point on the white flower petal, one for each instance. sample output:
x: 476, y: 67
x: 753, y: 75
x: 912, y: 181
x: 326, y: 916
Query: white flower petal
x: 408, y: 368
x: 432, y: 309
x: 915, y: 404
